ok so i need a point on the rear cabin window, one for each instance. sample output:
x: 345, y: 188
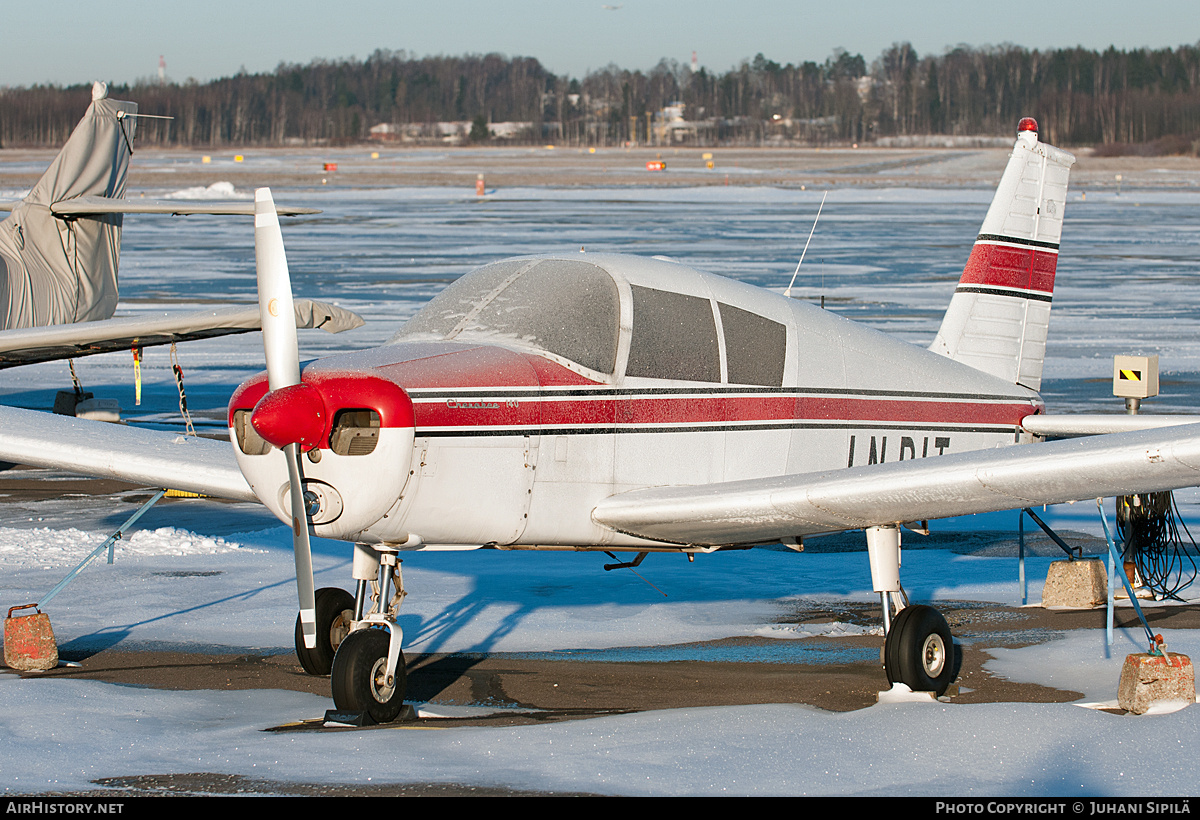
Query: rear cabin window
x: 674, y: 337
x: 755, y: 347
x: 569, y: 308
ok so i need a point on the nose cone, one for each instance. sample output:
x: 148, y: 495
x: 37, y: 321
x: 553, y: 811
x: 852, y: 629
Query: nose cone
x: 291, y: 415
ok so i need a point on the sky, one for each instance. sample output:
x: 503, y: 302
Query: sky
x: 121, y: 40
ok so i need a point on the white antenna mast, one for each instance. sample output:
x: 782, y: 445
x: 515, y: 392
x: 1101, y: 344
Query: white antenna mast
x: 788, y: 291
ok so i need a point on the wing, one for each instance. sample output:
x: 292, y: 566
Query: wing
x: 97, y: 205
x: 1097, y: 424
x: 43, y: 344
x: 96, y: 448
x: 768, y: 509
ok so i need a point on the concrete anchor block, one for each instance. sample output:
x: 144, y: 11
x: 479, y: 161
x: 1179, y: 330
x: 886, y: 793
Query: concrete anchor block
x: 1081, y: 584
x: 29, y: 644
x: 1156, y: 682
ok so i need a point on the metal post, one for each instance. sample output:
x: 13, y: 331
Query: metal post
x: 1021, y: 558
x: 1112, y: 557
x: 109, y: 544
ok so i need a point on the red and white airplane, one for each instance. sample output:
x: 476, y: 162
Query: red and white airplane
x: 606, y: 402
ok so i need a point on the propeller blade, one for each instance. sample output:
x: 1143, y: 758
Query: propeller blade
x: 302, y: 549
x: 283, y: 370
x: 274, y: 295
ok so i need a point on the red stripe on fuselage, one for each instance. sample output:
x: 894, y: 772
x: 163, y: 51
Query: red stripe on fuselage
x: 483, y: 411
x: 1010, y: 266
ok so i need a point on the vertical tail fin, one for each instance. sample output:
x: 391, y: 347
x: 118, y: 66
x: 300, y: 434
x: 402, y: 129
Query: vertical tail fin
x: 54, y: 270
x: 1000, y: 312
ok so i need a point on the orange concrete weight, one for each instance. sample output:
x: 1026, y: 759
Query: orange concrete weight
x: 1149, y: 681
x: 29, y: 643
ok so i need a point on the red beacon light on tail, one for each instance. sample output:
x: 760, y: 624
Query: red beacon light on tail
x: 1027, y: 124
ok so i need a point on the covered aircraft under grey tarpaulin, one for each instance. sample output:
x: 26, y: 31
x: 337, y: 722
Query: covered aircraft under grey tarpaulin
x: 61, y: 246
x: 56, y: 271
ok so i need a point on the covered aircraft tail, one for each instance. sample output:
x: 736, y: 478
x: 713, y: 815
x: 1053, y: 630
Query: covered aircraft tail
x: 56, y: 270
x: 1000, y: 312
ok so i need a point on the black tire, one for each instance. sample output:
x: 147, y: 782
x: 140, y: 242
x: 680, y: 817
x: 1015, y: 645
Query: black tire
x: 357, y: 678
x: 335, y: 611
x: 919, y: 650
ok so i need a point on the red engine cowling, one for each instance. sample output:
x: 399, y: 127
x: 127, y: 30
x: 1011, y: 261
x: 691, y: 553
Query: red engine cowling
x: 356, y: 431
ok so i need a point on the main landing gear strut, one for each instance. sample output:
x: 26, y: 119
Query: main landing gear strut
x: 358, y: 639
x: 918, y: 649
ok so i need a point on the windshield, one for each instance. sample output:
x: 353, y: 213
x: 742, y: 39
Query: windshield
x: 567, y: 307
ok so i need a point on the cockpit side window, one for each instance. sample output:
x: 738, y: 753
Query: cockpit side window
x: 674, y: 337
x: 755, y: 347
x: 566, y: 307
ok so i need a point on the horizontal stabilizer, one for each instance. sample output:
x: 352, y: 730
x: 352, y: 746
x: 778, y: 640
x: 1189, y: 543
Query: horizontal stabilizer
x: 44, y: 344
x: 96, y: 205
x: 1097, y: 424
x: 763, y: 510
x: 151, y: 458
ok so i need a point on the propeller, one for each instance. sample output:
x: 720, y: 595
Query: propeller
x: 283, y: 370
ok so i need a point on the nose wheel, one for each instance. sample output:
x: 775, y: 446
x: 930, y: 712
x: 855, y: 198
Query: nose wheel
x: 919, y: 650
x: 335, y: 612
x: 360, y: 680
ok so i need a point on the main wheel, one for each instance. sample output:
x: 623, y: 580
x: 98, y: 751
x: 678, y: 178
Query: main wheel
x: 335, y: 611
x: 359, y: 676
x: 919, y: 650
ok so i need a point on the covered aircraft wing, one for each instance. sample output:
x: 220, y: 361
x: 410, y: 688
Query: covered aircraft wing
x: 767, y: 509
x: 44, y: 344
x: 96, y: 448
x: 96, y: 205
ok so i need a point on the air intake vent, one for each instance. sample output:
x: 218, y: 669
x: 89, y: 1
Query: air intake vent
x: 355, y: 432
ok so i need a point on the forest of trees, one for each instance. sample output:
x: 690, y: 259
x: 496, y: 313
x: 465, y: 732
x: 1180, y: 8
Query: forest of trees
x: 1080, y: 97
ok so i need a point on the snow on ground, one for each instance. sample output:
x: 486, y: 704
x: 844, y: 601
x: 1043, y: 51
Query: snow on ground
x: 172, y: 589
x: 218, y: 191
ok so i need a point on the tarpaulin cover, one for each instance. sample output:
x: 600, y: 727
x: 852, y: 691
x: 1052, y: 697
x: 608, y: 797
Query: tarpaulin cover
x: 55, y: 271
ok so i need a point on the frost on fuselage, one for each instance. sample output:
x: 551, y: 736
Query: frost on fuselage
x: 566, y: 307
x: 572, y: 308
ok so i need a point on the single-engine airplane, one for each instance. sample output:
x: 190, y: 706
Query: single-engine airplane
x: 609, y: 402
x: 60, y: 248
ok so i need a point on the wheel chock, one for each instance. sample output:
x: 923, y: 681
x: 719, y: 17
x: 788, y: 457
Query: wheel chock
x: 29, y: 644
x: 1079, y: 584
x: 1156, y: 682
x: 363, y: 719
x: 359, y: 719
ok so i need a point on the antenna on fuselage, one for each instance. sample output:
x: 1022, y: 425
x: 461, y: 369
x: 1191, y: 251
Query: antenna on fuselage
x: 788, y: 291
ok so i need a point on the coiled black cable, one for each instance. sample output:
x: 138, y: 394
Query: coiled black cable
x: 1149, y: 525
